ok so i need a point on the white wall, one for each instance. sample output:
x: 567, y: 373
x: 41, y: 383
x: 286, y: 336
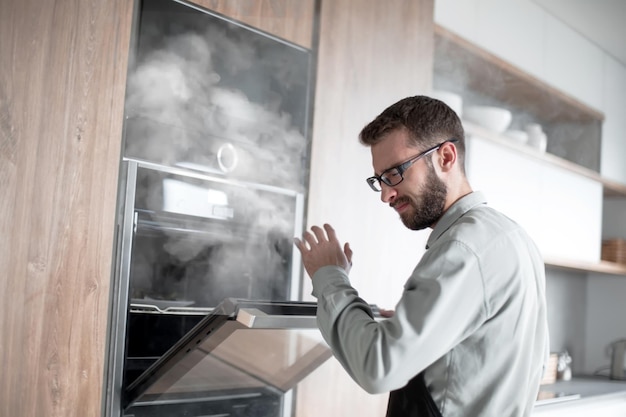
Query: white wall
x: 614, y: 213
x: 606, y: 296
x: 613, y: 154
x: 605, y: 319
x: 567, y: 314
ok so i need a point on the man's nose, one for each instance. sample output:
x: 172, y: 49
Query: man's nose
x: 387, y: 193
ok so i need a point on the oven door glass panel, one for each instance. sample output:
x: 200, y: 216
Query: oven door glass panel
x: 204, y: 90
x: 198, y: 240
x: 242, y: 346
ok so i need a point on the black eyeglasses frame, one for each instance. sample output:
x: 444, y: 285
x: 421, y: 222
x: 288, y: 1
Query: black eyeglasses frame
x: 375, y: 181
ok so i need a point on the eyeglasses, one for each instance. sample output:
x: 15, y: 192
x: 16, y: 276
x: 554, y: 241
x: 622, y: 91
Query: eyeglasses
x: 394, y: 175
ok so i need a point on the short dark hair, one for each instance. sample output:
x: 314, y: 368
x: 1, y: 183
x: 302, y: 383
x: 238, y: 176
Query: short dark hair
x: 427, y: 120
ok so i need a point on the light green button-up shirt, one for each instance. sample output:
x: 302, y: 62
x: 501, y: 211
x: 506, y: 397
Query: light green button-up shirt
x: 472, y: 314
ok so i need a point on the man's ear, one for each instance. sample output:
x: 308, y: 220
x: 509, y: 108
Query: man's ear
x: 447, y: 157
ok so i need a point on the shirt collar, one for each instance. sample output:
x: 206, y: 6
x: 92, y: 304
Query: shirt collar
x: 456, y: 210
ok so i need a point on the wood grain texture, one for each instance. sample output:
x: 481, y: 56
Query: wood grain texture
x: 371, y: 54
x: 62, y: 81
x: 288, y: 19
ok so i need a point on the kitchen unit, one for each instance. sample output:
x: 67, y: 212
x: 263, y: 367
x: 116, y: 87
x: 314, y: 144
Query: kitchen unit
x: 60, y: 164
x: 207, y: 317
x: 478, y: 70
x: 550, y: 190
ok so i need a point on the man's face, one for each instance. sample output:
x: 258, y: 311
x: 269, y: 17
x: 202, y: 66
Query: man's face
x: 420, y: 198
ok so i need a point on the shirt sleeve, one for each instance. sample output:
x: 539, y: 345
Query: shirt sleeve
x: 442, y: 303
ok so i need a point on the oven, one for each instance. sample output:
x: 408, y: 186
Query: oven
x: 243, y: 359
x: 205, y: 316
x: 208, y: 321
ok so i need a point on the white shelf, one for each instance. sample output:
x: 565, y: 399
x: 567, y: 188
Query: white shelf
x: 611, y: 188
x: 602, y: 267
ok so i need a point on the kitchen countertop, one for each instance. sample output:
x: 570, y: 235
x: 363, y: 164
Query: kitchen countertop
x: 581, y: 391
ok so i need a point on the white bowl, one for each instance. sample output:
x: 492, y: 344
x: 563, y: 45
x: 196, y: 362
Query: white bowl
x: 495, y: 119
x: 454, y: 101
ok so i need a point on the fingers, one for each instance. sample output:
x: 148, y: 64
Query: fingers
x: 319, y: 233
x: 310, y: 238
x: 319, y: 247
x: 299, y: 244
x: 348, y: 252
x: 316, y: 236
x: 330, y: 231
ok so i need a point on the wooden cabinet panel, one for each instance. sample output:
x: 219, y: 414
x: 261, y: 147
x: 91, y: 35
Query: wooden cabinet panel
x: 288, y: 19
x: 371, y: 54
x: 62, y: 80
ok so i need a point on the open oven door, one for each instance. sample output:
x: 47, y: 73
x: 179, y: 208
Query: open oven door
x: 240, y: 347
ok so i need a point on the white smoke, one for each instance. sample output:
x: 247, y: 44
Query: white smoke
x: 179, y: 110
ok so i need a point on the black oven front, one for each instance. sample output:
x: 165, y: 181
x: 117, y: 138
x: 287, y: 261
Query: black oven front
x: 188, y: 241
x: 212, y: 191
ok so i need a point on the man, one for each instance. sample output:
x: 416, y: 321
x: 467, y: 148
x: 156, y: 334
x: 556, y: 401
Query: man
x: 469, y: 335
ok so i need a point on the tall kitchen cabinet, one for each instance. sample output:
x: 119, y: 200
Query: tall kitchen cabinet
x: 62, y: 76
x: 369, y: 55
x: 215, y: 166
x: 62, y: 85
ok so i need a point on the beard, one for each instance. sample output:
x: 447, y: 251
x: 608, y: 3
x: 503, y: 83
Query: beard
x: 428, y: 209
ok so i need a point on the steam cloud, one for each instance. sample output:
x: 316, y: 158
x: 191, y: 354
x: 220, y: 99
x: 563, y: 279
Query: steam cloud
x: 184, y: 103
x: 179, y: 111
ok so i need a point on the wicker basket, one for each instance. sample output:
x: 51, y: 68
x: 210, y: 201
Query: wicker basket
x: 614, y: 250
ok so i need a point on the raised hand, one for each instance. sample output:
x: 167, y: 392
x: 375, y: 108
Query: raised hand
x: 320, y: 248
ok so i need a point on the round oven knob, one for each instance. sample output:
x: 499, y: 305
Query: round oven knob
x: 227, y: 157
